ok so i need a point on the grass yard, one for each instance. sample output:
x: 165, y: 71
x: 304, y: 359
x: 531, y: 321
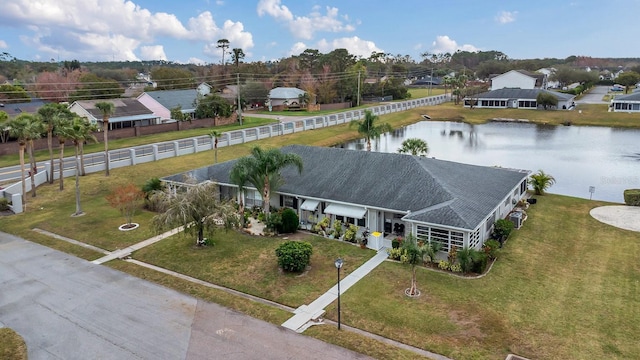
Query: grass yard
x: 12, y: 346
x: 248, y: 264
x: 565, y: 287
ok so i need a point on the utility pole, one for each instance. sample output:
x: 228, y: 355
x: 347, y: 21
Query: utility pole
x: 239, y: 104
x: 358, y: 100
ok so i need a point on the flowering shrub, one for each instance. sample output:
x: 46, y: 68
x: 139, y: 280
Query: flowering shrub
x: 394, y: 254
x: 456, y: 268
x: 444, y: 265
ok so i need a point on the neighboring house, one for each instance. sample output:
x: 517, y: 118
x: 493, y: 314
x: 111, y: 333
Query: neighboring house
x: 626, y: 103
x: 230, y: 93
x: 452, y: 203
x: 428, y: 80
x: 16, y: 109
x: 204, y: 89
x: 127, y: 113
x: 162, y: 101
x: 548, y: 72
x: 516, y: 99
x: 518, y: 79
x: 284, y: 96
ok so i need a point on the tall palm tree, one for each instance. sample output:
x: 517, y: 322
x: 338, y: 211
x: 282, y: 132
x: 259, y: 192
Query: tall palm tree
x: 368, y: 128
x: 23, y: 127
x: 415, y: 147
x: 197, y: 210
x: 239, y: 175
x: 541, y: 181
x: 215, y: 135
x: 4, y: 121
x: 107, y: 109
x: 48, y: 114
x: 263, y: 168
x: 80, y: 131
x: 63, y: 128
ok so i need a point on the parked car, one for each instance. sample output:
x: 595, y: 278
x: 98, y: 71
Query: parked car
x: 617, y: 88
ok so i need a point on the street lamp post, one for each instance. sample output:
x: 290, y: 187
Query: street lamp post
x: 338, y: 265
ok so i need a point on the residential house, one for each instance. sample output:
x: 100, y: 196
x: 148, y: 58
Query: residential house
x: 516, y: 99
x: 518, y: 79
x: 548, y: 72
x: 428, y: 80
x: 626, y: 103
x: 162, y: 101
x: 127, y: 113
x: 282, y: 97
x: 394, y: 194
x: 204, y: 89
x: 16, y: 109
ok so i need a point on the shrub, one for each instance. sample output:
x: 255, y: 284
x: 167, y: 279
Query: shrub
x: 502, y: 228
x: 632, y: 197
x: 444, y: 265
x: 151, y: 185
x: 337, y: 229
x: 294, y: 256
x: 395, y: 243
x: 290, y: 221
x: 4, y: 204
x: 456, y: 268
x: 491, y: 248
x: 273, y: 222
x: 395, y: 253
x: 480, y: 262
x: 350, y: 233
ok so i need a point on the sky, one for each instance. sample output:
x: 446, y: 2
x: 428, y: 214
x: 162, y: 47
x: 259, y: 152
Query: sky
x: 187, y: 31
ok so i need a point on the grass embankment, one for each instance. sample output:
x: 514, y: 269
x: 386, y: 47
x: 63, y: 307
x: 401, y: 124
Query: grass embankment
x: 12, y: 346
x: 566, y: 286
x: 588, y: 114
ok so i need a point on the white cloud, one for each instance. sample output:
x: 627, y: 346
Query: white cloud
x: 304, y: 27
x: 3, y: 44
x: 444, y: 44
x: 354, y: 45
x: 152, y: 52
x: 108, y: 29
x: 274, y: 9
x: 505, y: 17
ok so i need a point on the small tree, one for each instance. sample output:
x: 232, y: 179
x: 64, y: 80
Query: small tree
x: 413, y: 255
x: 546, y: 100
x: 126, y: 199
x: 215, y: 135
x: 628, y: 79
x: 632, y: 197
x: 290, y: 221
x: 294, y: 256
x: 541, y: 181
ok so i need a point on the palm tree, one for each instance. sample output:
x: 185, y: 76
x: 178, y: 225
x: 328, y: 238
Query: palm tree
x: 79, y: 131
x: 237, y: 55
x: 198, y: 210
x: 215, y: 135
x: 262, y: 169
x: 107, y: 110
x: 414, y: 146
x: 24, y: 127
x: 541, y: 181
x: 4, y: 121
x: 63, y: 128
x: 48, y: 114
x: 414, y: 255
x: 368, y: 127
x: 239, y: 175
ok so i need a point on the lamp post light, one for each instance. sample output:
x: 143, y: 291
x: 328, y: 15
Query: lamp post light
x: 338, y: 265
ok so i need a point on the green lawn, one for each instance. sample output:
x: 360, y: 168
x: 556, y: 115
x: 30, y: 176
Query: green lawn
x: 248, y: 264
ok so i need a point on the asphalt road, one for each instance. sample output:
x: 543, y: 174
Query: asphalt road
x: 594, y: 96
x: 68, y: 308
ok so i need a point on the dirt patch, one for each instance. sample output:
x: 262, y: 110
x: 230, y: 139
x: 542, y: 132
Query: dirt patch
x: 467, y: 323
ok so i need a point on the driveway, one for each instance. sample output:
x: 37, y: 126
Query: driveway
x: 594, y: 96
x: 68, y: 308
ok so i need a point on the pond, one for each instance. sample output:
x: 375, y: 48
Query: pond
x: 578, y: 157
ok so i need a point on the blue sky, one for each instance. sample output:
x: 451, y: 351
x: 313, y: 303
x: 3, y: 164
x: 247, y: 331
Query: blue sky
x: 187, y: 30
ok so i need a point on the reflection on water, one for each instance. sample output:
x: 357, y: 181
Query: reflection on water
x: 577, y: 156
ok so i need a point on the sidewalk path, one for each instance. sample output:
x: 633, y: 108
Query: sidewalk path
x: 306, y: 313
x: 128, y: 250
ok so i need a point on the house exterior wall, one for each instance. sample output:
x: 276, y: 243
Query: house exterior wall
x: 513, y: 79
x: 75, y: 108
x: 154, y: 106
x: 625, y: 106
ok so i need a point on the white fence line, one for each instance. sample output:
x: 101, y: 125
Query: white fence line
x: 158, y: 151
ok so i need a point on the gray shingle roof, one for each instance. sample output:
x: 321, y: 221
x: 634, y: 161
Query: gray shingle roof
x: 634, y: 96
x: 434, y: 191
x: 173, y: 98
x: 123, y: 107
x: 509, y: 93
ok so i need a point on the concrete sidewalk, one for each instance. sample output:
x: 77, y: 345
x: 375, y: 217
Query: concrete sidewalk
x: 305, y: 313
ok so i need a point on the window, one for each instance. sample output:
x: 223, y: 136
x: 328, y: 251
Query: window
x: 340, y: 217
x: 507, y: 201
x: 490, y: 221
x: 523, y: 186
x: 361, y: 222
